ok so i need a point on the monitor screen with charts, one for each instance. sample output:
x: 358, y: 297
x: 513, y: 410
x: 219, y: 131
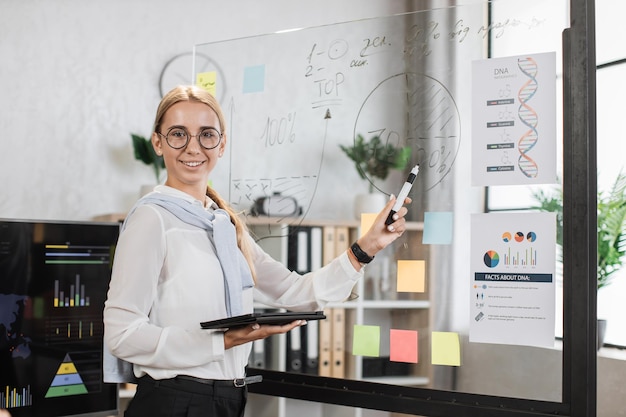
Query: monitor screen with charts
x: 54, y: 278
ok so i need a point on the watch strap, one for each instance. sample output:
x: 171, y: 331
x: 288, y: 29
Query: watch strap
x: 360, y: 254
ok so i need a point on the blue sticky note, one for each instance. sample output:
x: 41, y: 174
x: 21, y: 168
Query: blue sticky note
x: 437, y: 228
x: 254, y: 79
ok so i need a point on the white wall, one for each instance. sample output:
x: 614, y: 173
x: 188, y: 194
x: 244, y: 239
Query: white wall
x: 77, y: 77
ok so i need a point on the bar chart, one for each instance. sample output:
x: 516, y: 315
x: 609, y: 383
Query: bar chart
x: 74, y: 296
x: 12, y: 397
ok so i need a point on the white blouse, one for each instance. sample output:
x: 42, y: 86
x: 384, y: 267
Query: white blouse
x: 166, y: 279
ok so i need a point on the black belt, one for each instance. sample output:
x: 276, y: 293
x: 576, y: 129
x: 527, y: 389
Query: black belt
x: 237, y: 382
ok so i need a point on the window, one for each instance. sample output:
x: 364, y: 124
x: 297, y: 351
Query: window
x: 611, y: 147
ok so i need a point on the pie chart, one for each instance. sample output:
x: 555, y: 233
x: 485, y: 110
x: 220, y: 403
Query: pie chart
x: 491, y: 259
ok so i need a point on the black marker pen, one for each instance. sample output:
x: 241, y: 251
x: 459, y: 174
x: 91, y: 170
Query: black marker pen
x: 404, y: 192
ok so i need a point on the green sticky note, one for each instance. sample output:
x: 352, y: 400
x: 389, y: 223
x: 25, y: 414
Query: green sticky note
x: 446, y: 349
x: 366, y: 340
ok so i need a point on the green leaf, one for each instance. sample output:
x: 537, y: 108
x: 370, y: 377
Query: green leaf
x: 611, y: 227
x: 375, y: 159
x: 144, y: 152
x: 611, y: 216
x: 141, y: 150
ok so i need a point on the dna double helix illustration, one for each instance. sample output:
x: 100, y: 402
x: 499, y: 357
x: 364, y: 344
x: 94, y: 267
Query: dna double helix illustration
x: 528, y: 117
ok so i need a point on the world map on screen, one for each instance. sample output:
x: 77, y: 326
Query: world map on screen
x: 11, y: 337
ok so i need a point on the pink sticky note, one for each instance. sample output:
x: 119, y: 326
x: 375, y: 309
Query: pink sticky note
x: 403, y: 345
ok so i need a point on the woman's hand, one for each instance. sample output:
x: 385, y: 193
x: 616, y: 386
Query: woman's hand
x: 380, y: 235
x: 241, y: 335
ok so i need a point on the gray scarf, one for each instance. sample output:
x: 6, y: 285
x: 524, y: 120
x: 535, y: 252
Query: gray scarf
x: 221, y: 231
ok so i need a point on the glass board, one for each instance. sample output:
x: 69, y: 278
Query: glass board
x: 292, y: 99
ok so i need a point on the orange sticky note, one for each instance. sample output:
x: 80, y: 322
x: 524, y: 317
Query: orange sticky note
x: 411, y: 276
x: 367, y: 219
x: 207, y: 80
x: 446, y: 349
x: 403, y: 346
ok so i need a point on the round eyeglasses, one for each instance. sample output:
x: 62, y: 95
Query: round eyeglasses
x: 178, y: 137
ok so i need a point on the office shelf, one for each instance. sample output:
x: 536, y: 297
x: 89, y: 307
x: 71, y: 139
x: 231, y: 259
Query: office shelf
x: 370, y: 305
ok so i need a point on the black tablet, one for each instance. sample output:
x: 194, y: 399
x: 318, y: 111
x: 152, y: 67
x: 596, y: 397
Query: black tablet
x: 263, y: 318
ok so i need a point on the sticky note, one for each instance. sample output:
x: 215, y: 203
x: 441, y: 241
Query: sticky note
x: 207, y: 80
x: 403, y: 346
x: 437, y: 228
x: 367, y: 219
x: 446, y: 349
x: 254, y: 79
x: 366, y: 340
x: 411, y: 276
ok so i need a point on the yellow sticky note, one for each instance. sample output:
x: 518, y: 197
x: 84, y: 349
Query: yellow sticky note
x: 207, y: 80
x: 411, y: 276
x: 367, y: 219
x: 366, y: 340
x: 446, y: 349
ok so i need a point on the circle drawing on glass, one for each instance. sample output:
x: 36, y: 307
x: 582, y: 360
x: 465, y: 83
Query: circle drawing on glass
x: 411, y: 109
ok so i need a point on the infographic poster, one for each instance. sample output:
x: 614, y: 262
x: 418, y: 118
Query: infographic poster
x: 514, y: 120
x: 513, y: 269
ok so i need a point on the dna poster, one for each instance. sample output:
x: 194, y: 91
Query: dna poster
x: 512, y: 284
x: 514, y: 134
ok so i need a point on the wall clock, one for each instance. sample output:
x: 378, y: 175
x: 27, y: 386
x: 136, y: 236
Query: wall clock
x: 179, y: 70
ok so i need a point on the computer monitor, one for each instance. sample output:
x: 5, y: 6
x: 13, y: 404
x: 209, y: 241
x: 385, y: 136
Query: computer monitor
x: 54, y: 278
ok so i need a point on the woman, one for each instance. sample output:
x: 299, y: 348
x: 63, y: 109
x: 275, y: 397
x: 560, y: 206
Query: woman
x: 184, y: 257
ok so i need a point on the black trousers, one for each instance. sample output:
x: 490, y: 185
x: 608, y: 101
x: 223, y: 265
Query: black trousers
x: 180, y: 397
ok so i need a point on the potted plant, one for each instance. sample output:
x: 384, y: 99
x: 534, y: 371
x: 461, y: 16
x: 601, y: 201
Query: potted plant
x: 611, y: 216
x: 374, y: 159
x: 144, y: 152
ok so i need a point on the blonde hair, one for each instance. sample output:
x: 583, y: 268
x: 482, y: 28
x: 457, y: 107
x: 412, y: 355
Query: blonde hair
x: 193, y: 93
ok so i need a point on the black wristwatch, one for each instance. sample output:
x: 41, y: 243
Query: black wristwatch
x: 360, y: 255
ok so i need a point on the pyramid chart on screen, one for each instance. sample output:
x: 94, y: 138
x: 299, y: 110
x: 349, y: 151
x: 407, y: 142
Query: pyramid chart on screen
x: 67, y: 381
